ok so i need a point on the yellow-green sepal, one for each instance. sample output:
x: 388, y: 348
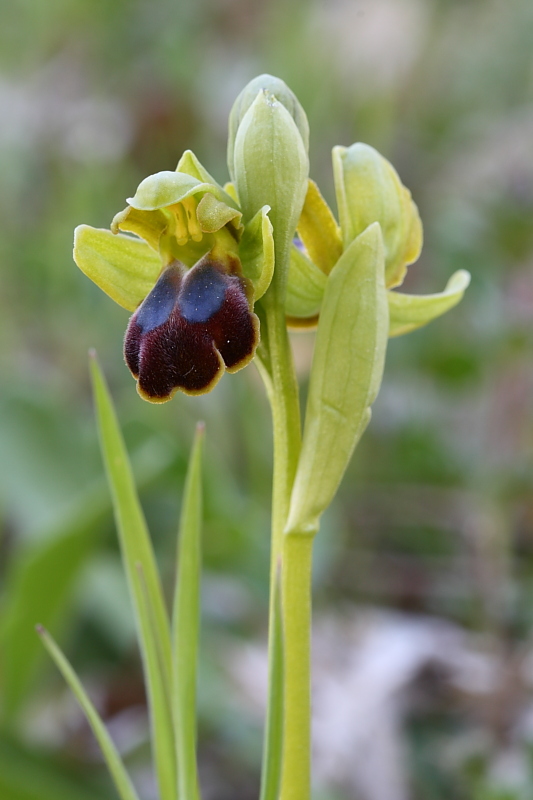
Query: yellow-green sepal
x: 345, y: 376
x: 369, y: 190
x: 256, y: 252
x: 318, y: 230
x: 125, y: 268
x: 305, y: 290
x: 409, y: 312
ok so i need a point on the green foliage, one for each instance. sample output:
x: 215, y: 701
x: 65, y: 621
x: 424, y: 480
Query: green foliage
x: 452, y: 424
x: 144, y: 584
x: 40, y: 587
x: 24, y: 776
x: 116, y: 767
x: 170, y: 671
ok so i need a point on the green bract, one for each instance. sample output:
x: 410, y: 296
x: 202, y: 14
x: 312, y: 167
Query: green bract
x: 340, y: 277
x: 345, y: 376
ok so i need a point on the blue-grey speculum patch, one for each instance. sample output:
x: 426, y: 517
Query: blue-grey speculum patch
x: 157, y: 306
x: 202, y: 294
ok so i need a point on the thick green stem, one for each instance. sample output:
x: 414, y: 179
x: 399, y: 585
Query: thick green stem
x: 296, y: 615
x: 282, y: 389
x: 287, y: 759
x: 283, y: 396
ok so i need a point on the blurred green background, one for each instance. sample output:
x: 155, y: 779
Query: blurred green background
x: 424, y: 568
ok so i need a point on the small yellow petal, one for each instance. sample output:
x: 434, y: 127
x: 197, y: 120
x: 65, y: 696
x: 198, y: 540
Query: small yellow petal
x: 318, y: 230
x: 149, y: 225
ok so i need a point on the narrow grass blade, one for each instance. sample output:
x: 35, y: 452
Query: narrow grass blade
x: 155, y: 643
x: 153, y: 626
x: 273, y: 745
x: 186, y: 624
x: 118, y: 772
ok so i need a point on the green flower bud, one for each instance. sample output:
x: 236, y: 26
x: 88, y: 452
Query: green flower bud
x: 369, y: 190
x: 271, y: 169
x: 273, y: 87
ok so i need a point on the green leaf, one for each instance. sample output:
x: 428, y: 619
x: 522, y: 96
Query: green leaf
x: 409, y: 312
x: 123, y: 267
x: 273, y: 744
x: 114, y: 763
x: 152, y: 619
x: 318, y: 230
x: 186, y: 624
x: 256, y: 251
x: 345, y: 377
x: 305, y: 287
x: 154, y: 643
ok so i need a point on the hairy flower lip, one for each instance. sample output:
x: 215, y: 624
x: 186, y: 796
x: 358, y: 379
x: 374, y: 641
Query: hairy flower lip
x: 193, y: 325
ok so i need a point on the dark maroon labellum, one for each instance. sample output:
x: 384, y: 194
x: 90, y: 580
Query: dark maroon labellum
x: 192, y: 326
